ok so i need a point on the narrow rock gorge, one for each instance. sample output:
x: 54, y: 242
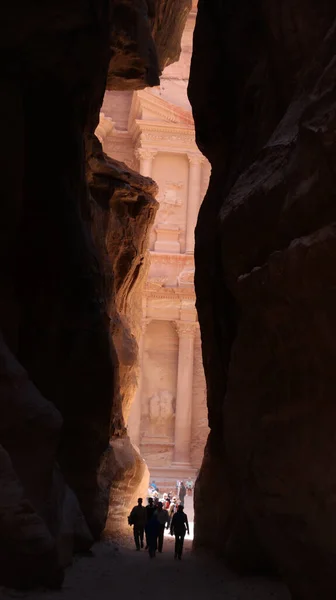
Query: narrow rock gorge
x: 73, y: 237
x: 264, y: 100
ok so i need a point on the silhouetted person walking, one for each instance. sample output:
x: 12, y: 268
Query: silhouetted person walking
x: 150, y: 510
x: 137, y: 518
x: 182, y: 492
x: 152, y: 532
x: 179, y: 526
x: 163, y: 518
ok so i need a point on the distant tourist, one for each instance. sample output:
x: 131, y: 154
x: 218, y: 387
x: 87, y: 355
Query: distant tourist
x: 165, y: 501
x: 172, y: 509
x: 179, y: 526
x: 182, y: 492
x: 163, y: 518
x: 137, y: 518
x: 189, y: 486
x: 154, y: 486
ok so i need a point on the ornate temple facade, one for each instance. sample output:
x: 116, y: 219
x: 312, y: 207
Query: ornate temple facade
x: 152, y: 131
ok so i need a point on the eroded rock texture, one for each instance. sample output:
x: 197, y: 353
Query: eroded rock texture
x: 122, y: 217
x: 264, y: 100
x: 62, y: 290
x: 145, y: 38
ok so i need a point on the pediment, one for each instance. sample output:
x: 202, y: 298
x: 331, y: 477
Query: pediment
x: 149, y: 107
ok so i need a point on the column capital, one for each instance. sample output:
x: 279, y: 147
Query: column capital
x: 186, y: 328
x: 145, y: 153
x: 196, y: 159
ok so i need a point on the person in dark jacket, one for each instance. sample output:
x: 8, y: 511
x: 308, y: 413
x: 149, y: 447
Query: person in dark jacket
x: 150, y: 510
x: 179, y: 526
x: 152, y: 532
x: 163, y: 518
x: 137, y: 518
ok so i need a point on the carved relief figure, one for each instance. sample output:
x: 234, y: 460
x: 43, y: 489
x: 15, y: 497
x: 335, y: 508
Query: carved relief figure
x: 170, y: 199
x: 161, y: 412
x: 154, y: 408
x: 166, y: 406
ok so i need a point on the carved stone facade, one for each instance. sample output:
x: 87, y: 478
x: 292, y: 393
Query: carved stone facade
x: 153, y: 131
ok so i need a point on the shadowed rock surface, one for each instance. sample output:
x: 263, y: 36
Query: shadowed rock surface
x: 61, y: 390
x: 264, y: 100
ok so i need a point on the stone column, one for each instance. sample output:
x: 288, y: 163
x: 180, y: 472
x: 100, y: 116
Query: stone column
x: 183, y: 413
x: 134, y: 419
x: 194, y: 199
x: 145, y: 156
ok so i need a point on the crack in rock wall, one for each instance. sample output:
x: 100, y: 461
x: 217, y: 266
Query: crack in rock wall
x: 264, y: 99
x: 72, y: 241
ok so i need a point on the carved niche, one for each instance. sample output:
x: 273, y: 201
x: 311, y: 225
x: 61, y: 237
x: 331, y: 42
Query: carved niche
x: 170, y: 199
x: 161, y: 413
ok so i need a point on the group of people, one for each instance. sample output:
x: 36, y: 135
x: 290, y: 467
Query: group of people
x: 181, y: 491
x: 189, y: 485
x: 160, y: 513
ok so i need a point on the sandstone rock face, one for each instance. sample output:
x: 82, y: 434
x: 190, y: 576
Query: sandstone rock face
x: 145, y: 38
x: 127, y: 476
x: 169, y: 21
x: 27, y: 547
x: 60, y: 290
x: 264, y: 98
x: 122, y: 216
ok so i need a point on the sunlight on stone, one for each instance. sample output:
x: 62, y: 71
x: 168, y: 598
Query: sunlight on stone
x: 152, y: 131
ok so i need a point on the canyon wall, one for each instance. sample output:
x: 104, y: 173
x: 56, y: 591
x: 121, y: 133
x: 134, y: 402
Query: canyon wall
x: 72, y: 243
x: 264, y: 100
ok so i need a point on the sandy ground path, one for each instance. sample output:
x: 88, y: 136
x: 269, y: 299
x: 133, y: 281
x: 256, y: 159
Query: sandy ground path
x: 119, y: 571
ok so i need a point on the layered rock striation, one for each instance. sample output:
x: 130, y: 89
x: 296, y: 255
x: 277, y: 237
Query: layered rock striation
x: 264, y: 100
x: 65, y: 281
